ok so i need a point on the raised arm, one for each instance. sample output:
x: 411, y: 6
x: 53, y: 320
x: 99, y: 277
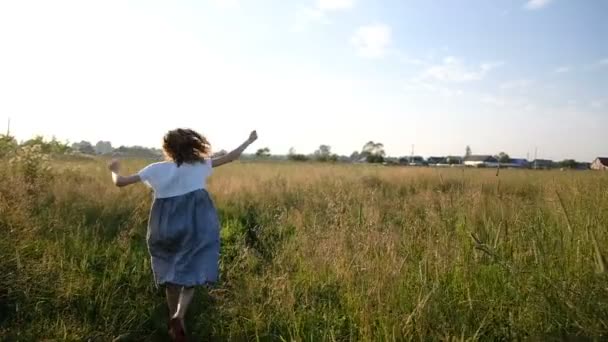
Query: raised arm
x: 119, y: 180
x: 236, y: 153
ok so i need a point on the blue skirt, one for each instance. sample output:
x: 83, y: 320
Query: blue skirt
x: 184, y: 239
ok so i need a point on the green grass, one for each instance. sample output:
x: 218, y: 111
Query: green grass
x: 315, y: 252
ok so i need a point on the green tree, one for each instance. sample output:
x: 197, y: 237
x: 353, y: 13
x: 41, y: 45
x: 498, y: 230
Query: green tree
x: 569, y: 164
x: 84, y: 147
x: 503, y: 157
x: 373, y: 152
x: 46, y: 147
x: 8, y: 145
x: 324, y: 154
x: 263, y: 152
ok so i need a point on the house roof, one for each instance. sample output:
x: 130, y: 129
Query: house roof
x: 480, y: 158
x: 603, y: 160
x: 518, y: 161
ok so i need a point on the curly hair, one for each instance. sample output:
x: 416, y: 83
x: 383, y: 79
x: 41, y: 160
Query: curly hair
x: 184, y: 145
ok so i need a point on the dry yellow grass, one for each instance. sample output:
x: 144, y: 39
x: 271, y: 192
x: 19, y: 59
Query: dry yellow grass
x: 317, y: 252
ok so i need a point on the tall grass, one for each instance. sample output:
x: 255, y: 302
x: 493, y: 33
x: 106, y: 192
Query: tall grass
x: 315, y: 253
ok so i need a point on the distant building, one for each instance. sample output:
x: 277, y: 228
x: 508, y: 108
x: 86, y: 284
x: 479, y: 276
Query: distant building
x: 542, y: 164
x: 600, y: 163
x: 516, y: 163
x: 583, y: 166
x: 436, y: 160
x: 481, y: 161
x: 417, y: 161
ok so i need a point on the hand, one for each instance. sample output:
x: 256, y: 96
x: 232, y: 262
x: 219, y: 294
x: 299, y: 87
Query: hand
x: 114, y: 165
x: 253, y: 136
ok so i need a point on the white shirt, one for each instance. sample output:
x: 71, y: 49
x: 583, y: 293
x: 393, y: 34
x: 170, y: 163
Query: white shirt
x: 169, y: 180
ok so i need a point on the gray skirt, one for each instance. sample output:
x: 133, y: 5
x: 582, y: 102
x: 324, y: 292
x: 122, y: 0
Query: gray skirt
x: 183, y: 239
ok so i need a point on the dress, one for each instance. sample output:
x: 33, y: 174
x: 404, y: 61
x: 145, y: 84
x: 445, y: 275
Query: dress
x: 183, y: 228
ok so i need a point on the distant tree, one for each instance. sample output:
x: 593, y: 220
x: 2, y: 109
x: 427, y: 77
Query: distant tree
x: 103, y: 147
x: 355, y: 156
x: 37, y: 140
x: 324, y: 150
x: 56, y: 146
x: 374, y: 158
x: 8, y: 144
x: 468, y: 152
x: 84, y: 147
x: 373, y: 148
x: 569, y: 164
x: 52, y: 146
x: 324, y: 154
x: 503, y: 157
x: 263, y: 152
x: 297, y: 157
x: 293, y: 156
x: 138, y: 151
x: 373, y: 152
x: 453, y: 160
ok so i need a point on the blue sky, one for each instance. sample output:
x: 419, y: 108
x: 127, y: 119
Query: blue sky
x: 510, y: 76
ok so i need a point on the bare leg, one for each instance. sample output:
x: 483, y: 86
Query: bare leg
x: 172, y: 292
x: 177, y: 326
x: 184, y: 300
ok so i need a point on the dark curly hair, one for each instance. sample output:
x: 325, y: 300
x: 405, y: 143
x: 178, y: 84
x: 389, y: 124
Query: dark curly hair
x: 184, y: 145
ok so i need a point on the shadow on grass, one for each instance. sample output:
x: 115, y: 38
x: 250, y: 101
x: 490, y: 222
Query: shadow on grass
x: 201, y: 315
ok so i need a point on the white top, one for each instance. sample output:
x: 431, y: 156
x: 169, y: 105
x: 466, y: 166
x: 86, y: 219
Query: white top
x: 169, y: 180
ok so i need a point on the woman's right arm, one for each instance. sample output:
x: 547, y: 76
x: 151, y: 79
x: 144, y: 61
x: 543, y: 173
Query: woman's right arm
x: 119, y: 180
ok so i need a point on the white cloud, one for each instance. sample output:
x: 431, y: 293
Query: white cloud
x: 307, y: 15
x: 333, y: 5
x: 372, y: 41
x: 562, y: 69
x: 537, y: 4
x: 603, y: 62
x: 227, y: 4
x: 516, y: 84
x: 453, y: 70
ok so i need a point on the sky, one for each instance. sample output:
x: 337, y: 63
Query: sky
x: 516, y: 76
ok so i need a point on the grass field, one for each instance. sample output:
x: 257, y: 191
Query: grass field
x: 314, y: 252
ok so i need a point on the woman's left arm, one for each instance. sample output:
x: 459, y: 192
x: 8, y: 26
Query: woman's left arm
x: 236, y: 153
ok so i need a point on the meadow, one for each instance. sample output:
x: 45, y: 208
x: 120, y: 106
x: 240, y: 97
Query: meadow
x: 313, y: 252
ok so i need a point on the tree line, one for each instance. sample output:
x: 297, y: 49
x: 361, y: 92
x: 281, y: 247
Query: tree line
x: 371, y: 152
x: 53, y: 146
